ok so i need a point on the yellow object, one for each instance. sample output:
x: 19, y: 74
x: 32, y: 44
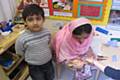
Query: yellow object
x: 104, y: 20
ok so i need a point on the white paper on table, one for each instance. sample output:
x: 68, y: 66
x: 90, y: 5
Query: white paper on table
x: 96, y: 45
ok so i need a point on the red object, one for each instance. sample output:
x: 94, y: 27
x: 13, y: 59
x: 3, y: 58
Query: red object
x: 92, y: 11
x: 50, y: 7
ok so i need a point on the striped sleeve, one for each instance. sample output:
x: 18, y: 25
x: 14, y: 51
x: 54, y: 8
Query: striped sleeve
x: 19, y: 47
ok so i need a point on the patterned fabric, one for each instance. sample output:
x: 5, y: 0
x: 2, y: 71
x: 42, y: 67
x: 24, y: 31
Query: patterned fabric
x: 34, y: 46
x: 83, y: 74
x: 68, y: 48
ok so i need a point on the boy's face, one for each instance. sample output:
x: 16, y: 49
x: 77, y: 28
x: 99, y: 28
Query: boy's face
x: 34, y: 23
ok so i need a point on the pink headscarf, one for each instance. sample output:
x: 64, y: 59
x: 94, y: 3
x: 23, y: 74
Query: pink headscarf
x: 65, y: 46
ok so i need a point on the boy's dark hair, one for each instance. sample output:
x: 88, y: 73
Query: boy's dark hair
x: 86, y: 28
x: 32, y: 9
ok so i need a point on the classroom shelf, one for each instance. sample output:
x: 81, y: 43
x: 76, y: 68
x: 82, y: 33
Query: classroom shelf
x: 8, y: 41
x: 22, y: 74
x: 16, y: 63
x: 18, y: 69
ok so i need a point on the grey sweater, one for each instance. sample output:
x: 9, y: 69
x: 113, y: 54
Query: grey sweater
x: 34, y: 46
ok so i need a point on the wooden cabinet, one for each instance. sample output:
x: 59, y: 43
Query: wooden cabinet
x: 18, y: 70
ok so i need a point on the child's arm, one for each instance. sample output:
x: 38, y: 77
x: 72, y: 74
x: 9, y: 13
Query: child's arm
x: 19, y: 47
x: 51, y: 45
x: 53, y: 53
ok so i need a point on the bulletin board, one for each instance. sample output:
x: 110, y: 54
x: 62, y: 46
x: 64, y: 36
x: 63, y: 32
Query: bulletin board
x: 61, y: 9
x: 95, y: 10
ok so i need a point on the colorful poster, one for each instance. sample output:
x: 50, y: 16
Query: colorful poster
x: 96, y: 10
x: 93, y: 0
x: 62, y: 4
x: 93, y: 11
x: 61, y: 7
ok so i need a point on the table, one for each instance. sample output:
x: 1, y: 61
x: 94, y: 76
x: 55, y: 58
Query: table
x: 108, y: 51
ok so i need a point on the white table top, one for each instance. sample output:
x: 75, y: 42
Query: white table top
x: 99, y: 47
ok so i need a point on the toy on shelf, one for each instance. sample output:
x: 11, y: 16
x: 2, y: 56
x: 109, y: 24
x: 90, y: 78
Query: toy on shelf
x: 6, y: 60
x: 6, y: 27
x: 18, y: 20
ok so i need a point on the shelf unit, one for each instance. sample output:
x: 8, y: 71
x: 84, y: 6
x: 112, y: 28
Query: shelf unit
x: 21, y: 75
x: 5, y: 43
x: 19, y: 60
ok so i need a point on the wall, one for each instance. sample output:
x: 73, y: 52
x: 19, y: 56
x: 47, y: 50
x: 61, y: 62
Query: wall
x: 53, y: 25
x: 7, y: 9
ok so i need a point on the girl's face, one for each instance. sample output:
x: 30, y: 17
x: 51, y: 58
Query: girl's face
x: 81, y: 38
x: 34, y: 23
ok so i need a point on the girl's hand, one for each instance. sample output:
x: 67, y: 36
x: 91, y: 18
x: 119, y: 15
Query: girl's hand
x: 90, y: 60
x: 99, y: 58
x: 76, y: 63
x: 91, y: 54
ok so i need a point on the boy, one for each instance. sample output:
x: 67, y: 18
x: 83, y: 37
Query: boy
x: 33, y: 44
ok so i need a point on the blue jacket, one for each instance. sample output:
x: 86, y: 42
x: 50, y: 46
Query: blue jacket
x: 113, y: 73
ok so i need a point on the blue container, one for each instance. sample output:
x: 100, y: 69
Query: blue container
x: 6, y: 28
x: 102, y: 30
x: 8, y: 63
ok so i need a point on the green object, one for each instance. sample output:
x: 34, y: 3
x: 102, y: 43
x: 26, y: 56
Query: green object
x: 117, y: 39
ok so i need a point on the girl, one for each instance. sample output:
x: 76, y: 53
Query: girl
x: 72, y: 46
